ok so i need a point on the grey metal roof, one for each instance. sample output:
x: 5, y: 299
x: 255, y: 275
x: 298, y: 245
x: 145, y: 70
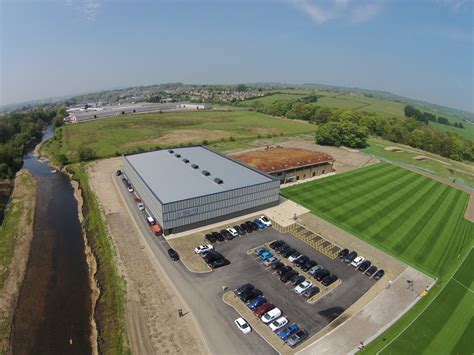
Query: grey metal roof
x: 171, y: 179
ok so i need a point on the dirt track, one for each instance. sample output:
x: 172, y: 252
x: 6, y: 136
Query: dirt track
x: 152, y: 322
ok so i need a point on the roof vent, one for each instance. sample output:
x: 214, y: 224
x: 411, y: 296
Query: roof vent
x: 170, y: 151
x: 194, y: 166
x: 186, y: 160
x: 206, y: 173
x: 218, y: 181
x: 177, y: 155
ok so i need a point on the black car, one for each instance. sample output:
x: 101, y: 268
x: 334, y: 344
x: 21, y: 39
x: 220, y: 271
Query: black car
x: 240, y: 231
x: 219, y: 236
x: 297, y: 338
x: 328, y: 280
x: 212, y: 256
x: 349, y: 258
x: 371, y: 270
x: 226, y: 234
x: 343, y: 253
x: 310, y: 292
x: 244, y: 288
x: 300, y: 261
x: 118, y: 173
x: 296, y: 280
x: 321, y: 274
x: 308, y: 265
x: 288, y: 252
x: 379, y: 274
x: 173, y: 254
x: 253, y: 225
x: 364, y: 266
x: 277, y: 265
x: 250, y: 295
x: 287, y: 276
x: 284, y: 269
x: 282, y: 249
x: 246, y: 228
x: 219, y: 263
x: 210, y: 238
x: 276, y: 244
x: 125, y: 181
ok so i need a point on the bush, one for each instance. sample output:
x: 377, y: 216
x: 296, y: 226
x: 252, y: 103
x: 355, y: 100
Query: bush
x: 205, y: 142
x: 231, y: 139
x: 86, y: 154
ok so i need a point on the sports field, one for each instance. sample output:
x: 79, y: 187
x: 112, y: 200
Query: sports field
x: 416, y: 219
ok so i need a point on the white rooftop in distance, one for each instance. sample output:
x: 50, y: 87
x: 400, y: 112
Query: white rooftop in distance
x: 171, y: 179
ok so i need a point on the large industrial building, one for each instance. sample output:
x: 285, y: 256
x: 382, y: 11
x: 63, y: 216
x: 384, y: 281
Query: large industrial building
x: 288, y: 164
x: 188, y: 187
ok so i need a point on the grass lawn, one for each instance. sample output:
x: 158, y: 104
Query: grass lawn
x: 125, y: 134
x: 410, y: 216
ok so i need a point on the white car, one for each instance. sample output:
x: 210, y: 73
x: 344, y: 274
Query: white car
x: 295, y: 256
x: 243, y: 325
x: 278, y: 324
x: 265, y: 221
x: 203, y: 249
x: 303, y: 287
x: 270, y: 316
x: 269, y: 261
x: 357, y: 261
x: 130, y: 189
x: 140, y: 206
x: 150, y: 220
x: 233, y: 232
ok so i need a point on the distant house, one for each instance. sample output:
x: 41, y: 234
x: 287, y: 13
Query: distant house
x: 193, y: 106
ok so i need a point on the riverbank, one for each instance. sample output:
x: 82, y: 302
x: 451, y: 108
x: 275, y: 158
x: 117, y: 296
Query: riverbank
x: 16, y: 234
x: 109, y: 309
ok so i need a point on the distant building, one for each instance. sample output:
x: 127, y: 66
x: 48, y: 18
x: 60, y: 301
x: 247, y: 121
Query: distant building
x: 288, y: 164
x: 193, y: 106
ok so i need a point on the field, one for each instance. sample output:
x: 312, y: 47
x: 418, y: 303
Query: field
x: 125, y: 134
x: 268, y: 100
x: 466, y: 132
x: 417, y: 219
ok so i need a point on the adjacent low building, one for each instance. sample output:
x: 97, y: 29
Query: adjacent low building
x: 188, y: 187
x: 288, y: 164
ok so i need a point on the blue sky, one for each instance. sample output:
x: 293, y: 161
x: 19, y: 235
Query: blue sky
x: 419, y: 49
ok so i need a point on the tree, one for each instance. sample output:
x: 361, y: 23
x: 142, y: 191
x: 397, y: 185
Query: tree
x: 241, y: 88
x: 443, y: 120
x: 342, y: 133
x: 329, y: 134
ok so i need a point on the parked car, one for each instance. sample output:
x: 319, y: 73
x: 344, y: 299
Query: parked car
x: 140, y: 206
x: 343, y: 253
x: 211, y: 256
x: 265, y: 221
x: 297, y: 338
x: 243, y: 326
x: 287, y: 276
x: 130, y: 189
x: 278, y: 324
x: 118, y: 173
x: 283, y: 270
x: 288, y: 331
x: 379, y: 274
x: 244, y: 288
x: 252, y: 225
x: 310, y: 292
x: 217, y: 263
x: 233, y: 232
x: 227, y: 234
x: 276, y: 244
x: 357, y: 261
x: 240, y: 230
x: 250, y: 295
x: 246, y: 228
x: 270, y: 260
x: 314, y: 269
x: 350, y: 257
x: 277, y: 265
x: 371, y: 270
x: 125, y: 181
x: 364, y: 266
x: 259, y: 223
x: 260, y: 250
x: 150, y: 220
x: 173, y: 254
x: 282, y: 247
x: 211, y: 238
x: 261, y: 310
x: 303, y: 287
x: 256, y: 302
x: 293, y: 257
x: 300, y: 261
x: 297, y: 279
x: 321, y: 274
x: 288, y: 252
x: 265, y: 255
x: 308, y: 265
x: 329, y: 280
x: 219, y: 237
x: 270, y: 316
x: 203, y: 248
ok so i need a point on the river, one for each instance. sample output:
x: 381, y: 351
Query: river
x: 54, y: 305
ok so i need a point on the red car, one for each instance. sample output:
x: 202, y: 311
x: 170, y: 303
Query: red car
x: 261, y: 310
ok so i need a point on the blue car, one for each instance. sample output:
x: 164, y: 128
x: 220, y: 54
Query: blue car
x: 288, y: 331
x: 256, y: 302
x: 260, y: 250
x: 259, y: 224
x: 266, y: 255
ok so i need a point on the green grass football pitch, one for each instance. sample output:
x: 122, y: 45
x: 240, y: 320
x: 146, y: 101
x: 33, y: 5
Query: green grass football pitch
x: 417, y: 219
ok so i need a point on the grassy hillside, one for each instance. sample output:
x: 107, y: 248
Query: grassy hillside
x: 281, y: 96
x: 466, y: 132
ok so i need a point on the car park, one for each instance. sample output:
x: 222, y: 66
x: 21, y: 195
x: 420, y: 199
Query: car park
x: 261, y: 310
x: 250, y: 294
x: 371, y: 270
x: 303, y: 287
x: 357, y: 261
x: 287, y: 276
x: 329, y: 280
x: 277, y: 265
x: 314, y: 269
x: 259, y: 223
x: 297, y: 338
x: 203, y: 248
x: 343, y: 253
x: 293, y: 257
x: 310, y: 292
x: 321, y: 274
x: 244, y: 288
x: 288, y: 331
x: 232, y: 232
x: 270, y: 316
x: 350, y: 257
x: 217, y: 263
x: 297, y: 279
x: 278, y: 324
x: 211, y: 238
x: 243, y: 326
x: 379, y: 274
x: 265, y: 221
x: 173, y: 254
x: 364, y: 266
x: 256, y: 302
x: 269, y: 261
